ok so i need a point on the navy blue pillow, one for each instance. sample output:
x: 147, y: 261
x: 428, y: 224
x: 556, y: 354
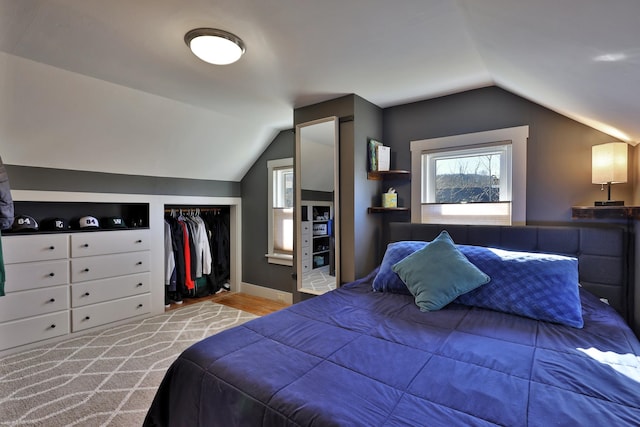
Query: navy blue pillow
x: 535, y: 285
x: 387, y: 280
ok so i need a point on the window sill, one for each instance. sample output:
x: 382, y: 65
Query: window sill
x: 280, y: 259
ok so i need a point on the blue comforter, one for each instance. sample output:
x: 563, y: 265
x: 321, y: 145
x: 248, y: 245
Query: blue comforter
x: 354, y: 357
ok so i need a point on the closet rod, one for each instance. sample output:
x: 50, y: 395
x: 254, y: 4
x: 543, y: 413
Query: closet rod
x: 193, y: 208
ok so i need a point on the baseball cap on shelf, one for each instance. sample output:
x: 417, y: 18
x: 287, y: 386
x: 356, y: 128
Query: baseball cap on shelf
x: 113, y: 222
x: 55, y: 224
x: 88, y: 222
x: 24, y: 223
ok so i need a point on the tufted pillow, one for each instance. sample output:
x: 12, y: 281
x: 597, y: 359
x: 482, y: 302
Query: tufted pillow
x: 535, y: 285
x: 387, y: 280
x: 436, y: 274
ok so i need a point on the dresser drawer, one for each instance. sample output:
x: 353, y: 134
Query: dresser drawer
x: 305, y: 233
x: 99, y: 314
x: 18, y: 305
x: 25, y: 331
x: 109, y: 242
x: 101, y: 267
x: 108, y: 289
x: 306, y: 261
x: 34, y: 275
x: 35, y: 248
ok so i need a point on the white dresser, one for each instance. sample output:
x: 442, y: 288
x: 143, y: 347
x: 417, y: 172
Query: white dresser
x: 306, y: 228
x: 58, y: 284
x: 315, y: 235
x: 36, y: 304
x: 109, y: 277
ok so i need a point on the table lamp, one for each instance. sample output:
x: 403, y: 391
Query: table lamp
x: 609, y: 166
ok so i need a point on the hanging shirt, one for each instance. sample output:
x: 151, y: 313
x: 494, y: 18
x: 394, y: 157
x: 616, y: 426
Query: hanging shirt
x: 188, y: 281
x: 169, y: 256
x: 6, y: 216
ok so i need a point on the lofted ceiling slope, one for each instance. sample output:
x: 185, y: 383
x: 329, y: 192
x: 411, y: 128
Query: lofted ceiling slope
x: 115, y: 78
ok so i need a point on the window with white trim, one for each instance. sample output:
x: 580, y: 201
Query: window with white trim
x: 280, y: 211
x: 477, y: 178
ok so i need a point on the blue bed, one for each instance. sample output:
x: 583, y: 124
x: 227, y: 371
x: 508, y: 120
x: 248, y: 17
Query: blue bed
x: 357, y: 357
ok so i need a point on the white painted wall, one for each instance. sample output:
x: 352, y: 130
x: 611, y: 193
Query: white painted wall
x: 55, y: 118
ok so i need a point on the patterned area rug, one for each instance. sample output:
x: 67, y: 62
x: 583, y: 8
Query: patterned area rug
x: 319, y: 280
x: 107, y: 378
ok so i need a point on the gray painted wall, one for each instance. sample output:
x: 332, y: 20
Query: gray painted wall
x: 366, y: 193
x: 48, y: 179
x: 359, y: 121
x: 255, y: 268
x: 558, y: 151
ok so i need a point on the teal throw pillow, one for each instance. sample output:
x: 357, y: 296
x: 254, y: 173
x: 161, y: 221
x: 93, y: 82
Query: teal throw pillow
x: 439, y: 273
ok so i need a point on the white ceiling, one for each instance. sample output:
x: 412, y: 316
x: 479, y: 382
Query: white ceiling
x: 216, y: 120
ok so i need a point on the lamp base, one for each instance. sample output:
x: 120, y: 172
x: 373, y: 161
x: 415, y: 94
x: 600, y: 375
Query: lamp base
x: 609, y: 203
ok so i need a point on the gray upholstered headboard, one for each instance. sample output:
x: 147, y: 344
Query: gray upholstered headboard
x: 603, y: 253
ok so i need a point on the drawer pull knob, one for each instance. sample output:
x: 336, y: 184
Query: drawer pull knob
x: 52, y: 300
x: 139, y: 263
x: 86, y: 245
x: 52, y: 274
x: 86, y: 294
x: 139, y: 305
x: 139, y: 241
x: 53, y: 325
x: 86, y: 270
x: 87, y: 318
x: 52, y: 247
x: 138, y: 285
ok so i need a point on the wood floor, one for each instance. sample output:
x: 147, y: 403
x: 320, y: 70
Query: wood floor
x: 245, y: 302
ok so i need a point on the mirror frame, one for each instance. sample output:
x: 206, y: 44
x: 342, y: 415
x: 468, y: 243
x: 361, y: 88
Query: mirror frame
x: 298, y: 200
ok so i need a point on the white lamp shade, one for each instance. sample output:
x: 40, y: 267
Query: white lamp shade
x: 609, y: 163
x: 215, y: 46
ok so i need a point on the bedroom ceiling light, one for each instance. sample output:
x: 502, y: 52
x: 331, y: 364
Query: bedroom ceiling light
x: 609, y: 166
x: 215, y: 46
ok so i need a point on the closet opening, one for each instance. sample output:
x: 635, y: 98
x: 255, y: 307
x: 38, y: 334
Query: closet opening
x: 197, y: 251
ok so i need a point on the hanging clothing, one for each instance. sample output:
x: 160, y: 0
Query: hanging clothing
x: 200, y: 244
x: 176, y: 280
x: 188, y: 279
x: 169, y: 256
x: 220, y: 247
x: 6, y: 216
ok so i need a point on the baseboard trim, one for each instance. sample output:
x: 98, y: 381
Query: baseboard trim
x: 261, y: 291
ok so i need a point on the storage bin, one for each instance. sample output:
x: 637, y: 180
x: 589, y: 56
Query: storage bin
x: 319, y: 229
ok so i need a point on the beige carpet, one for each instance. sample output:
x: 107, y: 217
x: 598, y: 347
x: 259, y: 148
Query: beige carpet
x: 106, y: 378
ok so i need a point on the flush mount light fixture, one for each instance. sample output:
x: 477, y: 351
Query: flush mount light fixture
x: 215, y: 46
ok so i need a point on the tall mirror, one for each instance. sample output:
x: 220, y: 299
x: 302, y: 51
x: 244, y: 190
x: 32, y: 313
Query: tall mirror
x: 317, y: 218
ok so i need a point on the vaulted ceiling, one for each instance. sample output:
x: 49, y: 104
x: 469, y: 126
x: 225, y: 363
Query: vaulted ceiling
x: 111, y: 86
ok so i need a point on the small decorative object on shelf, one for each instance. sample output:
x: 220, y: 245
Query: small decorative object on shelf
x: 384, y: 157
x: 373, y: 154
x: 390, y: 199
x: 379, y: 156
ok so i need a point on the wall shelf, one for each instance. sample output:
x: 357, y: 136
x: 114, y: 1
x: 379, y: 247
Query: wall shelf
x: 605, y: 212
x: 380, y: 209
x: 390, y: 174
